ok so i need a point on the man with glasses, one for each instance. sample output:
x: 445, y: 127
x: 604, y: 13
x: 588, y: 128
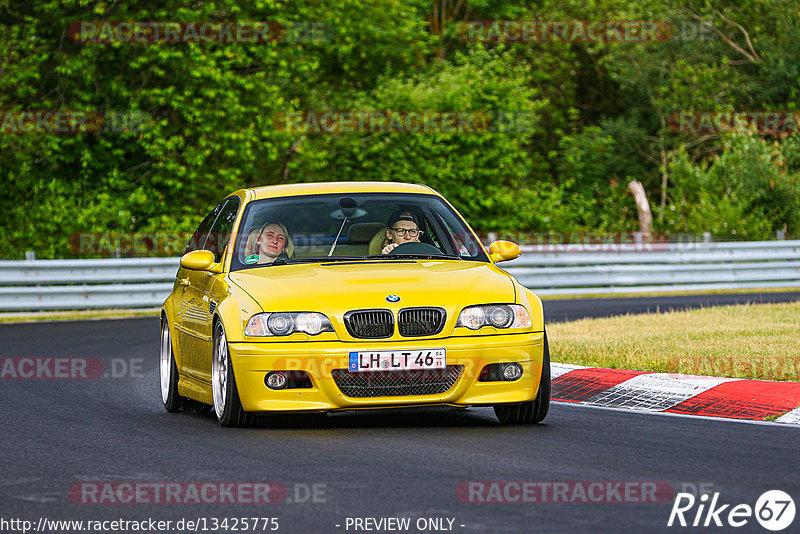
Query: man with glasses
x: 401, y: 228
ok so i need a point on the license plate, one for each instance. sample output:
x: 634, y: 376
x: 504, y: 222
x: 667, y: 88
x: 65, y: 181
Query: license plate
x: 397, y: 360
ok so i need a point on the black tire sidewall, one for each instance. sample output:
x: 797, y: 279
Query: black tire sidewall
x: 542, y: 401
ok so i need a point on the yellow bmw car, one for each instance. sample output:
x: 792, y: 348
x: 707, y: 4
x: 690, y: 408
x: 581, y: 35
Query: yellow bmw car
x: 312, y: 298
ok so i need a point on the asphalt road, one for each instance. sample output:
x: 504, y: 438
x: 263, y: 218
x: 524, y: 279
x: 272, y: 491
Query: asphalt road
x: 79, y: 434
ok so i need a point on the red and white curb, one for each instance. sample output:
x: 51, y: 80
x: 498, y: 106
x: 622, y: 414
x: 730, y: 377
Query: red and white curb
x: 708, y: 396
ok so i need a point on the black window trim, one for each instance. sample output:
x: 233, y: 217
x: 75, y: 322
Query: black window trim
x: 236, y: 265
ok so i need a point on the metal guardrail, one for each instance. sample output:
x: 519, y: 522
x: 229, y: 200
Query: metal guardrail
x: 548, y: 270
x: 84, y: 284
x: 657, y: 267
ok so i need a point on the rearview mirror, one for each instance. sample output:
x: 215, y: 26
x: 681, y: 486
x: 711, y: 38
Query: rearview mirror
x: 504, y: 251
x: 199, y: 260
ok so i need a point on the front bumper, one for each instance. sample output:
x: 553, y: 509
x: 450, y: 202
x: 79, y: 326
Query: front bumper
x: 252, y: 361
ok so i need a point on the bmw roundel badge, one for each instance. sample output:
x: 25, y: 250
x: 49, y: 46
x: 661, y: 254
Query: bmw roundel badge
x: 393, y: 298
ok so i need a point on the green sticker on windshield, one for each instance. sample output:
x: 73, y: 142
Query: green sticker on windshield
x: 251, y: 258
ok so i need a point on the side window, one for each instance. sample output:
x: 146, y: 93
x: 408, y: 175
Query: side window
x: 455, y: 242
x: 198, y: 239
x: 220, y: 232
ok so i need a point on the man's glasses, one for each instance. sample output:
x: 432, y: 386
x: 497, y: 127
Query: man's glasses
x: 411, y: 232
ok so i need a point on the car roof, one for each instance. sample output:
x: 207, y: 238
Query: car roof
x: 284, y: 190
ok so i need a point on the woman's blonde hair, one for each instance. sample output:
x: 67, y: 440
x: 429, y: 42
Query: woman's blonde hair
x: 289, y: 247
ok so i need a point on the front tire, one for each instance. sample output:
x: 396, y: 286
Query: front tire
x: 227, y: 405
x: 533, y: 411
x: 168, y: 371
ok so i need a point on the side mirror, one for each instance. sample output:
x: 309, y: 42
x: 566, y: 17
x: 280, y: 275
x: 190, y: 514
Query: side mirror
x: 200, y: 260
x: 504, y: 251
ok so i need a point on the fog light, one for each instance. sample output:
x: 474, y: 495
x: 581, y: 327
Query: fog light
x: 512, y: 371
x: 276, y: 380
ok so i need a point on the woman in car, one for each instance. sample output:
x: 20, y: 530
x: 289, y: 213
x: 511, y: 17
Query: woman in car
x: 271, y: 242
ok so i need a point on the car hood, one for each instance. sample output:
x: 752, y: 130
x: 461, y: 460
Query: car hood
x: 337, y: 287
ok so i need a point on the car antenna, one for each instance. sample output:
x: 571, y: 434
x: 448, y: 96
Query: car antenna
x: 348, y: 206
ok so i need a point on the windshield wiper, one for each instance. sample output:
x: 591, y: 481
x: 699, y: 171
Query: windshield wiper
x: 330, y: 259
x: 417, y: 255
x: 314, y: 259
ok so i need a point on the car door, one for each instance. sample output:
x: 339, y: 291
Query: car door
x: 191, y: 311
x: 217, y: 241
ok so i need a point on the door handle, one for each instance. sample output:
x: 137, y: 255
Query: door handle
x: 185, y: 282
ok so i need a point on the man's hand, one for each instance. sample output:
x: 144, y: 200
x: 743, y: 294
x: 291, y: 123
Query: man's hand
x: 388, y: 248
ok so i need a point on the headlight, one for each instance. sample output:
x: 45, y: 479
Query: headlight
x: 283, y: 324
x: 496, y: 315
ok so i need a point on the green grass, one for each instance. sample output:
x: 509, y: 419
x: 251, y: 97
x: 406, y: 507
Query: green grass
x: 671, y: 293
x: 76, y: 315
x: 752, y: 341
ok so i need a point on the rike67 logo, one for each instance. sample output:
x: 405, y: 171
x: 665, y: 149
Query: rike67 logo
x: 774, y: 510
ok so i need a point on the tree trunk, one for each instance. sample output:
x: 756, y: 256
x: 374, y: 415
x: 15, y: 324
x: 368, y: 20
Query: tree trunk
x: 643, y: 207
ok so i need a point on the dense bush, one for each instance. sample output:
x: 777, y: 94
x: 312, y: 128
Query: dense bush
x: 745, y: 192
x: 599, y: 115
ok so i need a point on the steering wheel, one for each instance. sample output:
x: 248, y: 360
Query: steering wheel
x: 415, y: 247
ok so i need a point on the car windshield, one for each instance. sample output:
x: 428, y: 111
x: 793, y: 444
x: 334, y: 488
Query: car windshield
x: 351, y: 227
